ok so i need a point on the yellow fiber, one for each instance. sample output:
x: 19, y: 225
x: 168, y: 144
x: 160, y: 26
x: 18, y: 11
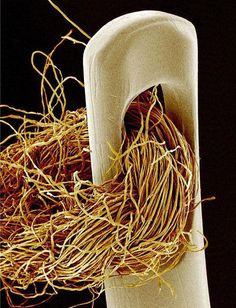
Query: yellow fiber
x: 58, y: 229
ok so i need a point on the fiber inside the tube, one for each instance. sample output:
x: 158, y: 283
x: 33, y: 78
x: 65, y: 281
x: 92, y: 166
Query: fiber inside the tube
x: 59, y: 230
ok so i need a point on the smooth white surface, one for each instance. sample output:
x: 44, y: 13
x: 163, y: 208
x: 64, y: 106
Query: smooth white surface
x: 125, y: 57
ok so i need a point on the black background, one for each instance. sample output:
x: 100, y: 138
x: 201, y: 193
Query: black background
x: 28, y: 25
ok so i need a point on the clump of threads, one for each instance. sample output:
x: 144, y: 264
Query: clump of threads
x: 59, y: 230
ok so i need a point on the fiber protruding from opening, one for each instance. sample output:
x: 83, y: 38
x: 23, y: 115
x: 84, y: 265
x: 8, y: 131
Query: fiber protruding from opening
x: 60, y: 231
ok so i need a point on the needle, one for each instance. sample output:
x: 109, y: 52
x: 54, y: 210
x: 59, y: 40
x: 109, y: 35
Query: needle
x: 125, y: 57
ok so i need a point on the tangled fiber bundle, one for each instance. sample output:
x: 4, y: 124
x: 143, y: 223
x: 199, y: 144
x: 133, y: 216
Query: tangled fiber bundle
x: 59, y: 230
